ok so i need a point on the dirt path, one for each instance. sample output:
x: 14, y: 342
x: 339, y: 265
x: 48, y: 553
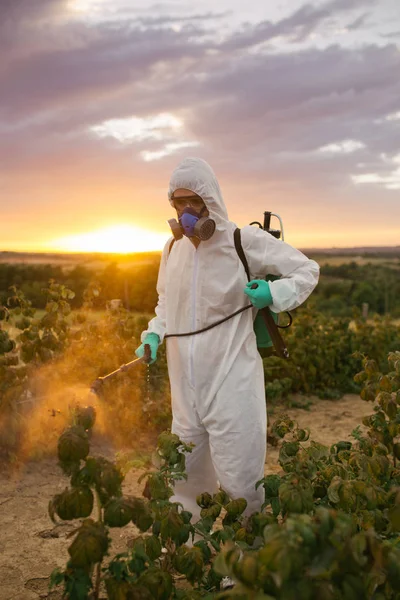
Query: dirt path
x: 31, y: 546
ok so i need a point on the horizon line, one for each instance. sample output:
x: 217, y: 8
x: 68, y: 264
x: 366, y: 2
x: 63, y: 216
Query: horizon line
x: 102, y: 253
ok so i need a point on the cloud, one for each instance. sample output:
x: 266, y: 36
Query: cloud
x: 392, y: 34
x: 23, y: 23
x: 263, y: 112
x: 159, y: 127
x: 345, y: 147
x: 357, y: 23
x: 170, y: 148
x: 393, y: 116
x: 166, y: 20
x: 390, y: 181
x: 298, y: 27
x: 95, y: 64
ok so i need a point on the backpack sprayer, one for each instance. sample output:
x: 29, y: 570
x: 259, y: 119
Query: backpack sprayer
x: 265, y: 325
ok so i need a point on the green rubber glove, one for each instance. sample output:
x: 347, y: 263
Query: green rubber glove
x: 261, y: 295
x: 154, y: 341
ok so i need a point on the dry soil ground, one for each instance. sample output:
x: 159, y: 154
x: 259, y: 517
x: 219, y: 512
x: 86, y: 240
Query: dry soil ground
x: 31, y: 546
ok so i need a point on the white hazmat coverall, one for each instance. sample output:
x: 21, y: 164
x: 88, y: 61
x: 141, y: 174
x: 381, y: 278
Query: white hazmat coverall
x: 216, y: 377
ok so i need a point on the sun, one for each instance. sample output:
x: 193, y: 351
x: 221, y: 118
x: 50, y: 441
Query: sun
x: 120, y: 239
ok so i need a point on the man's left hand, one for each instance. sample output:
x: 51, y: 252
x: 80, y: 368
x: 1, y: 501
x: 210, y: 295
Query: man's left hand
x: 259, y: 293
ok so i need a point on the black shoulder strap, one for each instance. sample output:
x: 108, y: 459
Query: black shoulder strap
x: 170, y: 246
x: 240, y: 251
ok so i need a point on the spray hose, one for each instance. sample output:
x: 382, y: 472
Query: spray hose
x: 209, y: 326
x: 273, y: 330
x: 272, y: 327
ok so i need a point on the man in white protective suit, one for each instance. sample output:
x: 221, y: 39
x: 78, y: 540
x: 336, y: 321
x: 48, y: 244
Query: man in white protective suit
x: 216, y: 377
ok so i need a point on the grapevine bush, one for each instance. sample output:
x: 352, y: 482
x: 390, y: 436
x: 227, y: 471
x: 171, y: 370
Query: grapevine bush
x: 329, y: 527
x: 325, y: 354
x: 48, y: 361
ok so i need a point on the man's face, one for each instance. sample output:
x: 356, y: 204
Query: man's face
x: 182, y: 198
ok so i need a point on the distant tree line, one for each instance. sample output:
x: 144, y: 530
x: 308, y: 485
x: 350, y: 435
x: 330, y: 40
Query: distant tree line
x: 347, y: 285
x: 341, y: 287
x: 136, y: 286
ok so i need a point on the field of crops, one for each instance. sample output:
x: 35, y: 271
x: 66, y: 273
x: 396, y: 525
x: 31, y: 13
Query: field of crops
x: 84, y: 497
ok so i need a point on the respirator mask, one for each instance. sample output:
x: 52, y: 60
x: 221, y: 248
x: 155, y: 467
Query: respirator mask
x: 192, y: 224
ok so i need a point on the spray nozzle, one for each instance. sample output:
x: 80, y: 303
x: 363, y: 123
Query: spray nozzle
x: 97, y: 385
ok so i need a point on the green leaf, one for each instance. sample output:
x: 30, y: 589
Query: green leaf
x: 108, y: 479
x: 258, y: 521
x: 204, y: 547
x: 291, y: 448
x: 190, y: 562
x: 271, y: 485
x: 73, y: 445
x: 221, y: 497
x: 77, y: 583
x: 282, y: 426
x: 333, y: 490
x: 276, y: 506
x: 56, y: 576
x: 234, y: 508
x: 71, y: 504
x: 118, y: 512
x: 213, y: 511
x: 122, y: 590
x: 340, y: 446
x: 358, y: 545
x: 318, y: 451
x: 158, y: 583
x: 225, y: 560
x: 85, y: 417
x: 385, y: 384
x: 153, y: 547
x: 204, y: 500
x: 142, y: 516
x: 246, y: 570
x: 296, y: 496
x: 156, y: 488
x: 172, y: 526
x: 90, y: 545
x: 302, y: 435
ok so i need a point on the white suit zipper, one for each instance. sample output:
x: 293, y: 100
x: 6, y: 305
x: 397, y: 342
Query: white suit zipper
x: 194, y: 290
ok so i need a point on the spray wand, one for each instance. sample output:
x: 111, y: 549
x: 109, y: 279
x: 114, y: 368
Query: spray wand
x: 98, y: 383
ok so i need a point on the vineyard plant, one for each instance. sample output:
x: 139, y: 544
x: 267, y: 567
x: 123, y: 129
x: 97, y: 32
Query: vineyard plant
x: 329, y: 527
x: 45, y: 358
x: 48, y: 361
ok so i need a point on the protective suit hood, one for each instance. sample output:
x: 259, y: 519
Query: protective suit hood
x: 196, y: 175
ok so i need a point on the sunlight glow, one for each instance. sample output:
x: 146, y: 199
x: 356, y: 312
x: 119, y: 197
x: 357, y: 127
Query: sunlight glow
x: 115, y: 239
x: 80, y: 5
x: 85, y: 6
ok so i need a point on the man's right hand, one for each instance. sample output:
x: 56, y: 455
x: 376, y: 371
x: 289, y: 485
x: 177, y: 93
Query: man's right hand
x: 153, y: 341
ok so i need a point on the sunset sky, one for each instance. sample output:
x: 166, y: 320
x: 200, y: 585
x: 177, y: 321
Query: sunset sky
x: 295, y: 105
